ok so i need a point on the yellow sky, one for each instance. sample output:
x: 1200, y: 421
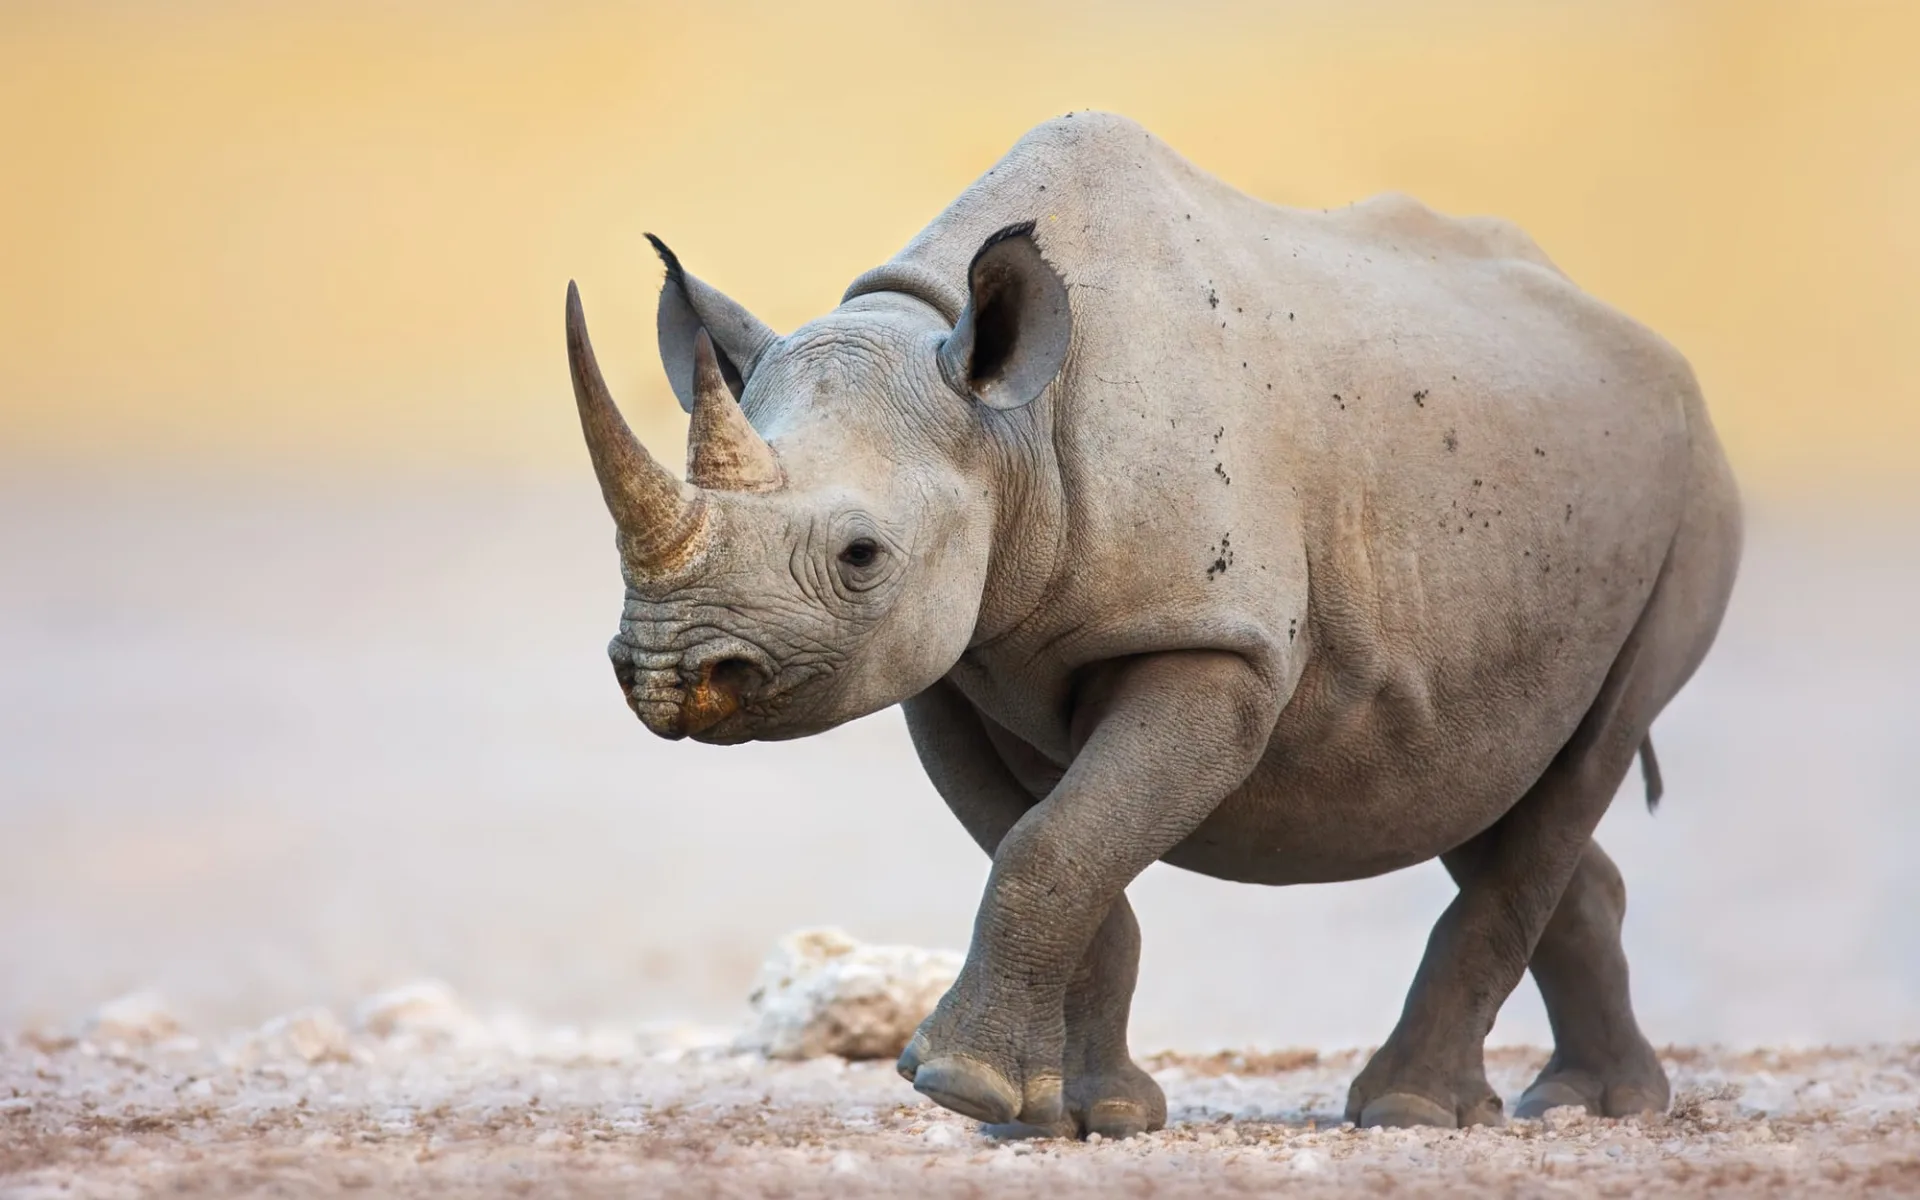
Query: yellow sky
x: 341, y: 230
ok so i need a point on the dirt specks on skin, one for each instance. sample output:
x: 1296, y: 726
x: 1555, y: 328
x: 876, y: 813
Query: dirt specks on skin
x: 664, y: 1114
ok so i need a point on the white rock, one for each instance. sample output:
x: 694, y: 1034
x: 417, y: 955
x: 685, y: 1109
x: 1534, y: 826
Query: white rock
x: 139, y: 1018
x: 1307, y: 1162
x: 428, y: 1010
x: 821, y: 992
x: 311, y: 1035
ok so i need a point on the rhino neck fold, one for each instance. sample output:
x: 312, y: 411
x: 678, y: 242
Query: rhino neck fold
x: 916, y: 281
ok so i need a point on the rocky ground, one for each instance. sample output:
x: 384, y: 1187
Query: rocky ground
x: 413, y: 1096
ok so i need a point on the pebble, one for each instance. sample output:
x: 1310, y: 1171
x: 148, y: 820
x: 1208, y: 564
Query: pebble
x: 428, y: 1009
x: 845, y: 1163
x: 308, y: 1035
x: 138, y: 1018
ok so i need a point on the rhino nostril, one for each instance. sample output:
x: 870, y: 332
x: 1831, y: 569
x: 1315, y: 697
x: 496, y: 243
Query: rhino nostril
x: 737, y: 675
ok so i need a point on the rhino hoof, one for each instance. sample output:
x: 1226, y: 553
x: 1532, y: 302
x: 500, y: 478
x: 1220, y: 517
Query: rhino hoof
x: 1021, y: 1131
x: 910, y: 1058
x: 1633, y: 1101
x: 1401, y: 1110
x: 1119, y: 1119
x: 1549, y: 1094
x: 970, y: 1088
x: 1626, y: 1098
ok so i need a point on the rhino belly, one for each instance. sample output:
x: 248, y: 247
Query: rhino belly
x: 1280, y: 835
x: 1359, y: 806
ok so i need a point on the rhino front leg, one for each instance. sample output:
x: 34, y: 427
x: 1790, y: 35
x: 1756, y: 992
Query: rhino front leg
x: 1145, y: 774
x: 1106, y: 1091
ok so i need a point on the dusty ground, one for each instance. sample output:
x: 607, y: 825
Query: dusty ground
x: 678, y: 1113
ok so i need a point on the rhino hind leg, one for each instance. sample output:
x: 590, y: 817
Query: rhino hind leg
x: 1514, y: 875
x: 1601, y: 1061
x: 1431, y: 1069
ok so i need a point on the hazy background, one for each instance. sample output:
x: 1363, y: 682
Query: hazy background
x: 304, y: 582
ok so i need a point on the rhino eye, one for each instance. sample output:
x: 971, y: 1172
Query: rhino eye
x: 860, y: 553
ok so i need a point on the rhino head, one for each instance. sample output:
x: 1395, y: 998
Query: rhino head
x: 827, y: 553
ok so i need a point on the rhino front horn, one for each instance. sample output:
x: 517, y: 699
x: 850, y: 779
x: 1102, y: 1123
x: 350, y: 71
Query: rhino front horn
x: 724, y: 451
x: 660, y: 518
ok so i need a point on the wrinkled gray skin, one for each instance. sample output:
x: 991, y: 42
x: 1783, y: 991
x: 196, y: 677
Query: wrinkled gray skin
x: 1281, y: 546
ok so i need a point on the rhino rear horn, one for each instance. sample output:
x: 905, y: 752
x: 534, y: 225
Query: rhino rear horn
x: 724, y: 451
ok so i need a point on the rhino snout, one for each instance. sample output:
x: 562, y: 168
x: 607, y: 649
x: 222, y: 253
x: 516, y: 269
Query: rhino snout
x: 703, y: 689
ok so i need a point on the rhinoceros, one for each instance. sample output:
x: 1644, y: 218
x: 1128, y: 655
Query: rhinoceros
x: 1283, y: 546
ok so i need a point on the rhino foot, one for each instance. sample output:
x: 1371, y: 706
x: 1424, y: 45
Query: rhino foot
x: 975, y: 1088
x: 1118, y: 1102
x: 1115, y: 1101
x: 1115, y: 1105
x: 972, y: 1089
x: 1395, y: 1099
x: 1623, y: 1091
x: 1401, y: 1110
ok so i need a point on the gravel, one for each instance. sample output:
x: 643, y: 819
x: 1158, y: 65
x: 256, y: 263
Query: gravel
x: 459, y: 1108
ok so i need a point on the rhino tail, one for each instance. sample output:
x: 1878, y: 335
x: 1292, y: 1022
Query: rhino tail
x: 1650, y: 774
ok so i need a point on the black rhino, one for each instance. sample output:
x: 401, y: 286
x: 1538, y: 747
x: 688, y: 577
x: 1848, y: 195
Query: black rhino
x: 1282, y: 546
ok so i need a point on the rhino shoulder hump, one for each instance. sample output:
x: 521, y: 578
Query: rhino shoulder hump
x: 1082, y: 141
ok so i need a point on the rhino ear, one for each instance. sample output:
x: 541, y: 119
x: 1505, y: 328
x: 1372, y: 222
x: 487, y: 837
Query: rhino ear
x: 1012, y: 335
x: 686, y: 307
